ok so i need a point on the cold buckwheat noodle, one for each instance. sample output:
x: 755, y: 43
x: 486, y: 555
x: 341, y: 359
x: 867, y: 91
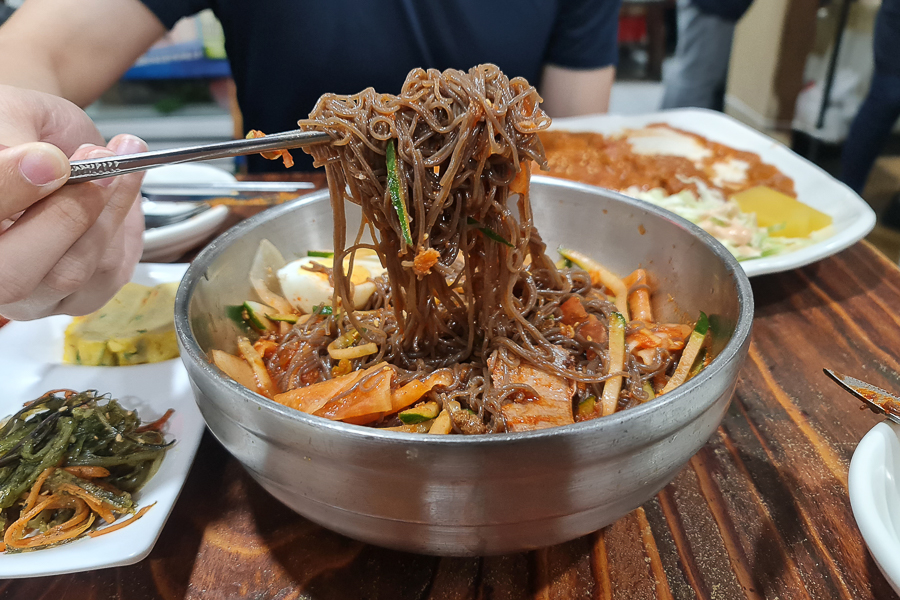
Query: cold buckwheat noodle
x: 441, y: 172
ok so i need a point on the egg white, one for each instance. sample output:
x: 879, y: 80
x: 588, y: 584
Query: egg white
x: 306, y: 289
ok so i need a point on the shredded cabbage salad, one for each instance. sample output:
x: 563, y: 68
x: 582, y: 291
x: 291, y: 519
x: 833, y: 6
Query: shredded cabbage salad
x: 723, y: 219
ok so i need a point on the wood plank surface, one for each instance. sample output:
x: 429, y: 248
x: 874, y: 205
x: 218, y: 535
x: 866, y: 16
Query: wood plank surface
x: 761, y: 512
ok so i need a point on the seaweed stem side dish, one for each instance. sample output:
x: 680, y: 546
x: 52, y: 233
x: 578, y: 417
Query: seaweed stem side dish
x: 69, y: 460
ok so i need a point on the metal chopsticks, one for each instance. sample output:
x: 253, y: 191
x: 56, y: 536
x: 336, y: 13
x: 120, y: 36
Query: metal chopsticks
x: 99, y: 168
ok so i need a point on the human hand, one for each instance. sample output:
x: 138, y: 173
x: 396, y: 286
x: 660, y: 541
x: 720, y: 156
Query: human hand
x: 63, y: 249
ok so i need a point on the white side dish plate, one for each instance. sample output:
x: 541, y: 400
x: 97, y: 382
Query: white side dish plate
x: 874, y: 484
x: 31, y: 364
x: 165, y: 244
x: 853, y: 217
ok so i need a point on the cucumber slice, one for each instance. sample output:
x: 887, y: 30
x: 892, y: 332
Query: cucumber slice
x: 281, y: 317
x: 255, y: 314
x: 397, y: 190
x: 235, y: 312
x: 419, y: 414
x: 689, y: 354
x: 320, y: 253
x: 587, y: 408
x: 699, y: 364
x: 613, y: 386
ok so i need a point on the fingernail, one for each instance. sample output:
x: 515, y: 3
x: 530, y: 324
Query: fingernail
x: 102, y: 153
x: 128, y: 144
x: 42, y: 164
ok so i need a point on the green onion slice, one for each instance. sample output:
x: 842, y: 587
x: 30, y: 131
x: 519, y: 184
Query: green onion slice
x: 488, y: 232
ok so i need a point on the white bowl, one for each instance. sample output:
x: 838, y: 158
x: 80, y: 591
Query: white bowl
x: 165, y: 244
x: 853, y: 217
x: 875, y: 496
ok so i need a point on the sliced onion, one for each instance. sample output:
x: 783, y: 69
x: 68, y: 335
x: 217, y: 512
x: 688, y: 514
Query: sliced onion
x: 266, y: 262
x: 263, y: 276
x: 236, y: 368
x: 265, y: 386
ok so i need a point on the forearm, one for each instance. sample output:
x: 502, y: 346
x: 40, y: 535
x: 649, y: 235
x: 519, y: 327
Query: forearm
x: 74, y: 49
x: 25, y: 69
x: 65, y: 249
x: 570, y: 92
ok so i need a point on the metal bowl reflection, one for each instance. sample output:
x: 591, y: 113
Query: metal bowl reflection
x: 475, y: 495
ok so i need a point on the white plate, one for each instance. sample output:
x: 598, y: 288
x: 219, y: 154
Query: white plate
x: 874, y: 484
x: 165, y: 244
x: 31, y: 364
x: 853, y: 217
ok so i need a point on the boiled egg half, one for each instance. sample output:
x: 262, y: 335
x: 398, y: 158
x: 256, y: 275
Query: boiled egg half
x: 306, y: 289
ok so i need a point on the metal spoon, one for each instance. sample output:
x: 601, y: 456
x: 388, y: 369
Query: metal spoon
x: 99, y: 168
x: 170, y: 203
x: 235, y: 190
x: 160, y: 214
x: 876, y: 399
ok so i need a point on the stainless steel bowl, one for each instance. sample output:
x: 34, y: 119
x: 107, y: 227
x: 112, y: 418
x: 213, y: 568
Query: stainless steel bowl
x: 475, y: 495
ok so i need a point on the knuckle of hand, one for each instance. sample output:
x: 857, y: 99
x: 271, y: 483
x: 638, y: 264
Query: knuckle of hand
x: 69, y: 274
x: 12, y: 289
x: 111, y: 261
x: 72, y: 215
x: 15, y: 312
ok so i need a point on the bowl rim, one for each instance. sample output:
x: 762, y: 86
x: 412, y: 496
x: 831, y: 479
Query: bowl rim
x: 869, y: 469
x: 191, y: 351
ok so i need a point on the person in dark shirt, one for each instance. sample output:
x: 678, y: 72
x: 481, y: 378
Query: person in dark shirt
x: 67, y: 249
x: 5, y: 11
x: 285, y: 54
x: 880, y: 110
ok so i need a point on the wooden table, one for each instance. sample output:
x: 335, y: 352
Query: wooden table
x: 760, y: 512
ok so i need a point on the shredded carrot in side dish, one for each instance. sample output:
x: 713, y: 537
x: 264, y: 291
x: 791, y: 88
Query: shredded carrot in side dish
x: 157, y: 424
x: 122, y: 524
x: 68, y: 461
x: 33, y: 495
x: 97, y: 505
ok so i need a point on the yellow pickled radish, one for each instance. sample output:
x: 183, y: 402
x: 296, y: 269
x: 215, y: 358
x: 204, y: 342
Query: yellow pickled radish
x: 776, y: 208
